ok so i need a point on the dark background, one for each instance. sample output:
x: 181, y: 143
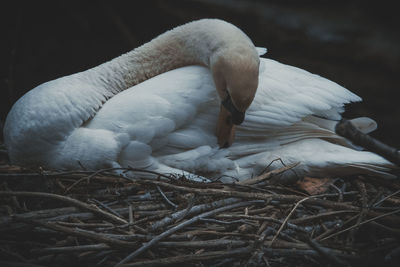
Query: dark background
x: 353, y: 43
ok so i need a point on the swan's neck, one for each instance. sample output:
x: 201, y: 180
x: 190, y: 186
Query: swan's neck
x: 195, y: 43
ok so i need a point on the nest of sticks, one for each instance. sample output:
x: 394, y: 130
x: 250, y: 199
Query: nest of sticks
x: 100, y: 219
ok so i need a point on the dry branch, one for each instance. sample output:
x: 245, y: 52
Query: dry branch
x: 347, y: 129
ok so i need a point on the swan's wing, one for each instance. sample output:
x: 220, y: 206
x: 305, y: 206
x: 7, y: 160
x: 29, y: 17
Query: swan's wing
x: 287, y: 94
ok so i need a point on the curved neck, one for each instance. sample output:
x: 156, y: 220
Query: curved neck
x: 194, y: 43
x: 71, y: 101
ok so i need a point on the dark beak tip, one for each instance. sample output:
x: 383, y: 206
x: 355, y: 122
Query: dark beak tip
x: 237, y: 116
x: 238, y: 119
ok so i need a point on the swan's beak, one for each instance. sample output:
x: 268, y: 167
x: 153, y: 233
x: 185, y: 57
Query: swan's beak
x: 225, y: 128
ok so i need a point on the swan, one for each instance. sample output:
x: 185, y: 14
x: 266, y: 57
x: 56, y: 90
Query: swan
x: 197, y: 99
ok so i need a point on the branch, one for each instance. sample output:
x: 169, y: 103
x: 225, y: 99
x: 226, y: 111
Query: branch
x: 68, y: 200
x: 346, y: 129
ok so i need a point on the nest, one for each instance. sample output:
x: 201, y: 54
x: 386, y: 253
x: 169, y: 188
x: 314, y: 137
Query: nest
x: 98, y: 218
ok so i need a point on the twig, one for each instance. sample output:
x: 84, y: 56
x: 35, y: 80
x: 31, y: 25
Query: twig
x: 130, y: 218
x: 362, y: 223
x: 258, y: 254
x: 194, y: 210
x: 86, y: 178
x: 169, y: 202
x: 107, y: 208
x: 226, y: 222
x: 39, y: 214
x: 364, y: 202
x: 261, y: 218
x: 81, y: 248
x: 82, y: 215
x: 325, y: 253
x: 288, y: 217
x: 205, y: 244
x: 385, y: 198
x: 182, y: 225
x: 68, y: 200
x: 86, y: 234
x: 267, y: 175
x: 188, y: 209
x: 340, y: 198
x: 84, y: 225
x: 335, y: 227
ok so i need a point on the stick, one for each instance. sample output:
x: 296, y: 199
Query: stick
x: 325, y: 253
x: 146, y: 246
x: 68, y: 200
x: 39, y: 214
x: 364, y: 205
x: 288, y: 217
x: 261, y: 218
x: 86, y: 234
x: 267, y: 175
x: 194, y: 210
x: 346, y: 129
x: 169, y: 202
x: 362, y: 223
x: 215, y: 243
x: 376, y: 204
x: 71, y: 249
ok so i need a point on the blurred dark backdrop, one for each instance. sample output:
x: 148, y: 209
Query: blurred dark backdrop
x: 353, y: 43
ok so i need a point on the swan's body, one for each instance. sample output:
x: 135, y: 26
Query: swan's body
x: 167, y: 123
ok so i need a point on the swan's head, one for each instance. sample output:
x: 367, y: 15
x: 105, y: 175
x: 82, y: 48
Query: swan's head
x: 235, y: 75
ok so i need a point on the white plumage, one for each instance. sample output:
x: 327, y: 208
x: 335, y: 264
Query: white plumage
x: 167, y: 124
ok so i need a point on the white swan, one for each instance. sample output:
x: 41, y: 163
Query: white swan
x: 167, y: 123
